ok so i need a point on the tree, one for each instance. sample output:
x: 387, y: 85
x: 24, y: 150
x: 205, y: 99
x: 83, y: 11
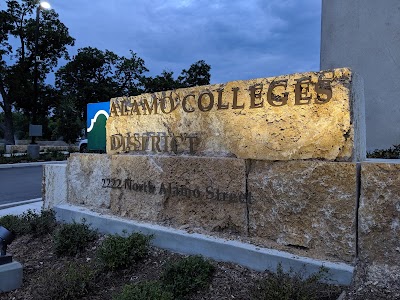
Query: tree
x: 67, y: 122
x: 129, y: 75
x: 94, y: 76
x: 198, y: 74
x: 17, y: 79
x: 162, y: 82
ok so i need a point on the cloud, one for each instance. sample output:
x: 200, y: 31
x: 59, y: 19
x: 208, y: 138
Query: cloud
x: 239, y: 39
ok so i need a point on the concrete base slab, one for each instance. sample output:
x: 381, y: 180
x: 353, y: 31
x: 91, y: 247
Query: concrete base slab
x: 180, y: 241
x: 10, y: 276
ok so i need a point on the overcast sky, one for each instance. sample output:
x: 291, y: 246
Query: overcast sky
x: 239, y: 39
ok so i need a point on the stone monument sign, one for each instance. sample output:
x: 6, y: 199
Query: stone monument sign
x: 271, y: 162
x: 299, y: 116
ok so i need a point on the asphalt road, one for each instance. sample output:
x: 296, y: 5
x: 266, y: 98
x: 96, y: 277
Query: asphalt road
x: 18, y: 184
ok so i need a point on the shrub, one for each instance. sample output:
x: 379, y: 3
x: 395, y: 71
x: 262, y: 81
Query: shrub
x: 30, y: 222
x: 294, y: 286
x: 71, y: 239
x: 187, y: 276
x: 40, y: 224
x: 144, y: 291
x: 68, y: 283
x: 391, y: 153
x: 118, y: 252
x: 15, y: 224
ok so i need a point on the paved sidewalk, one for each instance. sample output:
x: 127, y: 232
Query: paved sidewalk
x: 32, y: 164
x: 20, y: 209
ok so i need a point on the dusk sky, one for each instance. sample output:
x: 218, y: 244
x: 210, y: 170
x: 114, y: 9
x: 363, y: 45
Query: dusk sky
x: 239, y: 39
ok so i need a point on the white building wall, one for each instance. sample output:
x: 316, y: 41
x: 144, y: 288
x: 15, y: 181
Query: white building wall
x: 365, y: 36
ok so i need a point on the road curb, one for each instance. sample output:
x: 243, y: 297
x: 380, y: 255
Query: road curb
x: 13, y: 204
x: 32, y: 164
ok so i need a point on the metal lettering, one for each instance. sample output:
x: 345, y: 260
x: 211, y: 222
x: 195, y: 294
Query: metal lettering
x: 256, y: 93
x: 235, y: 99
x: 220, y: 104
x: 164, y: 105
x: 150, y: 108
x: 323, y: 87
x: 302, y: 91
x: 185, y: 109
x: 210, y: 105
x: 192, y: 140
x: 155, y: 145
x: 277, y: 100
x: 113, y: 109
x: 135, y: 108
x: 117, y: 141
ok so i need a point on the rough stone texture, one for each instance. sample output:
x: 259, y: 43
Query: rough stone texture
x: 197, y: 212
x: 54, y: 185
x: 309, y: 206
x: 331, y: 131
x: 379, y: 220
x: 84, y: 176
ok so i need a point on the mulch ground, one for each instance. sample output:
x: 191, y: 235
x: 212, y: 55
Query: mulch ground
x: 40, y: 263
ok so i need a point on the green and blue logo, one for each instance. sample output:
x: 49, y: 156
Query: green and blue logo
x: 97, y: 115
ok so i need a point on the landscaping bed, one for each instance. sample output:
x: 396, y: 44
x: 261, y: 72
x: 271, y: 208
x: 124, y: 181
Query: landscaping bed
x: 74, y: 262
x: 24, y: 158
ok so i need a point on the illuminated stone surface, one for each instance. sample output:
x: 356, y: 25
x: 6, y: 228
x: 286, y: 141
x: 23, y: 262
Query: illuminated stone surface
x: 181, y: 191
x: 199, y: 193
x: 84, y: 171
x: 298, y: 116
x: 306, y: 205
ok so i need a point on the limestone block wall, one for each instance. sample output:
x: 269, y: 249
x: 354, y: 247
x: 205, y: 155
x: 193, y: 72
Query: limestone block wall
x: 198, y: 193
x: 313, y: 115
x: 84, y: 172
x: 54, y: 185
x: 379, y: 223
x: 307, y: 208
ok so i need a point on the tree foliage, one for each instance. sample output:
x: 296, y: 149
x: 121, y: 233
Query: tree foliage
x: 197, y: 74
x: 90, y: 76
x: 95, y: 76
x: 163, y: 82
x: 17, y: 63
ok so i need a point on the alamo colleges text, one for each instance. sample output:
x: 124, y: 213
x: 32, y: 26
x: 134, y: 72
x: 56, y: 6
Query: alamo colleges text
x: 277, y: 93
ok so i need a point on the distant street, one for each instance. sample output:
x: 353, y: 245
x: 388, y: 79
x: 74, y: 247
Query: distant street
x: 18, y: 184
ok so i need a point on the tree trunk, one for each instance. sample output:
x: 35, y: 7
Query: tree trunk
x: 8, y: 125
